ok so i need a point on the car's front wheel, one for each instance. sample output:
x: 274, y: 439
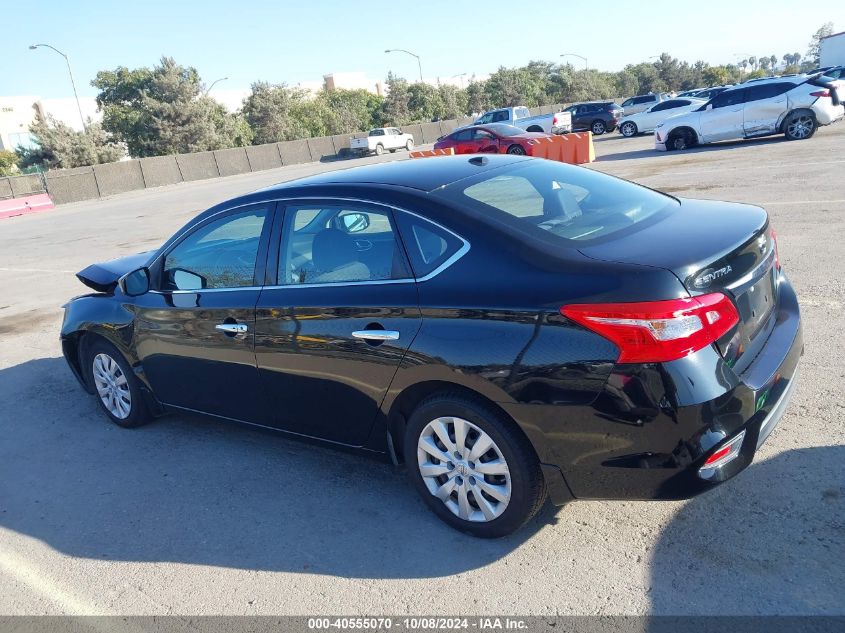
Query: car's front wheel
x: 472, y: 467
x: 799, y: 126
x: 628, y: 129
x: 115, y: 385
x: 409, y: 145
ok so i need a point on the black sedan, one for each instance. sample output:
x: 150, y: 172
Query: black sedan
x: 510, y: 328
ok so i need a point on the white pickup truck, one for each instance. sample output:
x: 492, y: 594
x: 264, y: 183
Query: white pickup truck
x: 557, y: 123
x: 380, y: 140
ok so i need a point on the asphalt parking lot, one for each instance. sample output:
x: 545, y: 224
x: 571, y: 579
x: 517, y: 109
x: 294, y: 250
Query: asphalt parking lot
x: 194, y: 516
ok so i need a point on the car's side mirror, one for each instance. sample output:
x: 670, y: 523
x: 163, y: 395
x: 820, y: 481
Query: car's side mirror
x: 355, y: 222
x: 135, y: 283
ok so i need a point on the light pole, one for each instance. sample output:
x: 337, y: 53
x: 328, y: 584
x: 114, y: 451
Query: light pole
x: 402, y: 50
x: 72, y: 82
x: 214, y: 83
x: 461, y: 75
x: 579, y: 56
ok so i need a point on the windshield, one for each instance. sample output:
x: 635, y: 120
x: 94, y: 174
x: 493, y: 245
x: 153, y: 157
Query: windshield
x: 547, y: 199
x: 503, y: 129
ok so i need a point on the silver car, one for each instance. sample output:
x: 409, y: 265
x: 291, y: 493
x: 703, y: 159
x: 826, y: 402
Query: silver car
x: 793, y: 106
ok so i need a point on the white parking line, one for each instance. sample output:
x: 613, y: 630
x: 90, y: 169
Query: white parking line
x: 744, y: 168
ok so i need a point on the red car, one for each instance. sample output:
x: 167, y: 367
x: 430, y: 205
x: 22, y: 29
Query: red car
x: 493, y: 138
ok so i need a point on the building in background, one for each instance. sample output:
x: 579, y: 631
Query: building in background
x: 353, y: 81
x: 16, y: 115
x: 832, y: 50
x: 19, y: 112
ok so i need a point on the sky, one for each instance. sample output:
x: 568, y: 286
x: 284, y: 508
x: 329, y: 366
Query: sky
x: 295, y: 42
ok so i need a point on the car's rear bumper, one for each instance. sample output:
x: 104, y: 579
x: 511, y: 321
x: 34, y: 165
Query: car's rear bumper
x: 826, y: 112
x: 649, y: 433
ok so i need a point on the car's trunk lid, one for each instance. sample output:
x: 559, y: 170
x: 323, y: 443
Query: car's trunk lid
x: 711, y: 247
x: 103, y: 277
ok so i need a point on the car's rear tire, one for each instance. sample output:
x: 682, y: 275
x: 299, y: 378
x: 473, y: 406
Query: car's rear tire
x: 799, y: 126
x: 487, y: 494
x: 628, y: 129
x: 379, y: 149
x: 598, y: 127
x: 409, y: 145
x: 679, y: 140
x: 517, y: 150
x: 117, y: 389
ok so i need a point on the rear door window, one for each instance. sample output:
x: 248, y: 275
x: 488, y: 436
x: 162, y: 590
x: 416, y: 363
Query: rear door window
x: 428, y: 245
x: 767, y: 91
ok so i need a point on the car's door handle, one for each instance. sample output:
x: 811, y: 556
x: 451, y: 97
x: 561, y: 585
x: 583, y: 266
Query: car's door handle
x: 232, y: 328
x: 376, y: 335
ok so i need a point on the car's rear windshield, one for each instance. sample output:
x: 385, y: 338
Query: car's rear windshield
x: 545, y: 199
x: 503, y: 129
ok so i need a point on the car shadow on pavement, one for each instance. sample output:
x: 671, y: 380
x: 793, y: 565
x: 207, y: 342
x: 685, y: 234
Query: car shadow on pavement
x: 771, y: 540
x: 698, y: 149
x: 193, y: 489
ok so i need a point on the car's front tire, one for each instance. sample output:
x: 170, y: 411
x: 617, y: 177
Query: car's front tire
x: 799, y: 126
x: 472, y: 467
x: 409, y: 145
x: 115, y: 385
x: 628, y: 129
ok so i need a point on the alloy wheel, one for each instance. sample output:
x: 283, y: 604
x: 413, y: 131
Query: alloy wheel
x: 462, y: 466
x: 801, y: 127
x: 598, y: 127
x: 112, y: 386
x: 628, y: 129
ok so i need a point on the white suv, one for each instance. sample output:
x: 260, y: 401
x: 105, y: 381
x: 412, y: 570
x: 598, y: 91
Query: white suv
x: 641, y: 102
x: 794, y: 106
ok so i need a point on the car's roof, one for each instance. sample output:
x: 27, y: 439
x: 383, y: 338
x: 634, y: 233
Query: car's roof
x: 424, y: 174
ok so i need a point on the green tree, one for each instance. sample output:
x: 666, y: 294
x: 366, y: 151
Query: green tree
x: 346, y: 111
x: 60, y: 146
x: 8, y: 162
x: 424, y: 102
x: 453, y: 102
x: 477, y: 97
x: 508, y: 87
x: 395, y: 109
x: 814, y: 45
x: 275, y: 113
x: 717, y: 75
x: 162, y: 110
x: 627, y: 84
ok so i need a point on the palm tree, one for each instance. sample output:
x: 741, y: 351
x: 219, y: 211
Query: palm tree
x: 774, y: 62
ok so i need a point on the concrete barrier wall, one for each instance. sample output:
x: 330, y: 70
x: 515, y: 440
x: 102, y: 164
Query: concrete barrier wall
x: 321, y: 147
x: 197, y: 166
x: 415, y: 131
x: 119, y: 177
x: 5, y: 188
x: 25, y: 185
x: 232, y: 161
x: 160, y: 170
x: 72, y: 185
x: 263, y: 157
x: 294, y: 152
x: 448, y: 126
x: 430, y: 132
x: 341, y: 141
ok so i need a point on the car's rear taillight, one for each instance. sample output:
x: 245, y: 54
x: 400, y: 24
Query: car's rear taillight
x: 658, y: 331
x: 777, y: 255
x: 820, y: 93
